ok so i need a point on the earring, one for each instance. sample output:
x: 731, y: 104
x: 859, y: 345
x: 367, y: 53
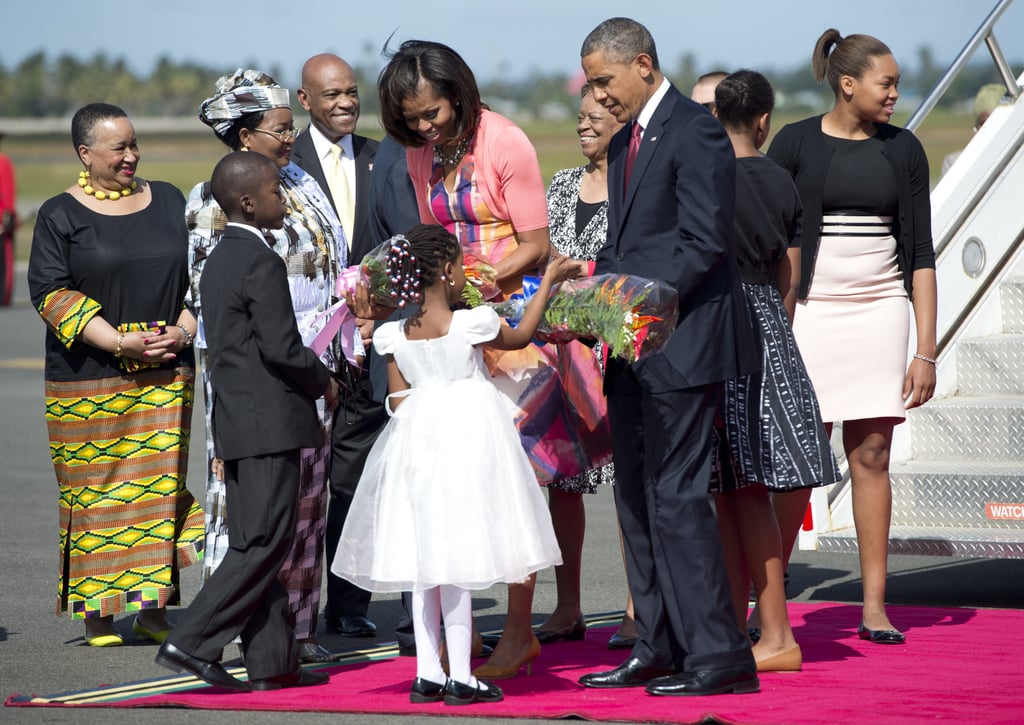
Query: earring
x: 451, y: 283
x: 244, y: 148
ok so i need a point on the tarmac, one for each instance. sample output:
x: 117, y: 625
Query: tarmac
x: 42, y: 653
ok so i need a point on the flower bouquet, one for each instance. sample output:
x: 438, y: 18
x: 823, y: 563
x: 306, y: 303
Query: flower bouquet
x: 631, y: 315
x: 372, y: 272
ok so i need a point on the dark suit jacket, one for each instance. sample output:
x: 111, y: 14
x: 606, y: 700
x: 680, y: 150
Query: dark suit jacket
x: 675, y: 223
x: 365, y: 149
x: 265, y: 381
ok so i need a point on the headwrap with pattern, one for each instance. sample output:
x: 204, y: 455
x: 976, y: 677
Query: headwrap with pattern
x: 239, y: 94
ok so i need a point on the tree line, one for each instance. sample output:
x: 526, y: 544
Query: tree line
x: 40, y: 87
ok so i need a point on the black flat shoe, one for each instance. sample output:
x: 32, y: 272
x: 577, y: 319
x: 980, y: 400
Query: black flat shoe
x: 299, y: 678
x: 356, y: 625
x: 316, y: 653
x: 212, y: 673
x: 634, y: 672
x: 617, y: 641
x: 881, y: 636
x: 573, y: 633
x: 426, y: 691
x: 736, y: 680
x: 459, y: 694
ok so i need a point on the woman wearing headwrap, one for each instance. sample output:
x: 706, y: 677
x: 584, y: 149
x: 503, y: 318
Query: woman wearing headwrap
x: 108, y: 274
x: 249, y: 111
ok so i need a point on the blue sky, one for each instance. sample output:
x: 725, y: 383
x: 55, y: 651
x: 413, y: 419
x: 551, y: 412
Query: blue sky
x: 509, y: 38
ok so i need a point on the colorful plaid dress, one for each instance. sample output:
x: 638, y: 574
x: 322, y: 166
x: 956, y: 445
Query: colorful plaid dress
x: 312, y: 244
x: 118, y: 438
x: 556, y: 400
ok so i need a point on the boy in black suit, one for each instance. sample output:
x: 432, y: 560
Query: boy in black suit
x: 265, y: 385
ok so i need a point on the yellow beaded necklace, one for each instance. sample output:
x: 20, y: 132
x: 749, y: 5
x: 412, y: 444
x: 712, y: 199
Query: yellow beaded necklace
x: 83, y: 181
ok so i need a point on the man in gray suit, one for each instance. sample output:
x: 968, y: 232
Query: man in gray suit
x: 331, y: 95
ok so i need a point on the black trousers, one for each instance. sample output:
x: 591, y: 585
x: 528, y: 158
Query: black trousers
x: 662, y: 448
x: 244, y: 596
x: 357, y: 423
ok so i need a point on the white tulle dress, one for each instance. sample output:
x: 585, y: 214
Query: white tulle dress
x: 447, y: 495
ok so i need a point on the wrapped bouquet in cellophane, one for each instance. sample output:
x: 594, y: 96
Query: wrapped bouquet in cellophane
x: 632, y: 316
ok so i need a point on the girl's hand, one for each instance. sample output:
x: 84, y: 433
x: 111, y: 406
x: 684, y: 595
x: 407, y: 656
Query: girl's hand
x: 561, y: 268
x: 919, y: 385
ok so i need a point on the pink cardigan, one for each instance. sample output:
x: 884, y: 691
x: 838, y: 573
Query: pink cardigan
x: 508, y: 174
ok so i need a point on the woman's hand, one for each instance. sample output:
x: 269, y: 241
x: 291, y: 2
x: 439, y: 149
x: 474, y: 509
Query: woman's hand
x: 161, y: 345
x: 561, y: 268
x: 217, y: 468
x: 919, y: 386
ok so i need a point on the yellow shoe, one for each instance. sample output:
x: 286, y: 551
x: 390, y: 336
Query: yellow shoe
x: 105, y: 640
x: 505, y: 672
x: 141, y: 631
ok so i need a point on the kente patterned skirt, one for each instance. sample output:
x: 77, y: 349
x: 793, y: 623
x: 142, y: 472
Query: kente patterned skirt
x: 853, y: 330
x: 772, y: 431
x: 128, y: 524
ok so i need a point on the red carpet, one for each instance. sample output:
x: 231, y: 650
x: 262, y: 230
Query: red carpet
x: 957, y: 664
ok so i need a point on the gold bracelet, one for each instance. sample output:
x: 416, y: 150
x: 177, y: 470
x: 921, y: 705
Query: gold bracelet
x: 919, y: 356
x: 120, y: 339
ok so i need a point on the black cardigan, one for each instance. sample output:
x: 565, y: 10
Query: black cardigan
x: 800, y: 148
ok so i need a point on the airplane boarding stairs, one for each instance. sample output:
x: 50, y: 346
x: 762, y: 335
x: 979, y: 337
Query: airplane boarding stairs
x: 958, y: 462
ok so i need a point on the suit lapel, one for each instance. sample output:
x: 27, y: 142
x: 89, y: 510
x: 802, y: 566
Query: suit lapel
x: 649, y: 144
x: 304, y: 156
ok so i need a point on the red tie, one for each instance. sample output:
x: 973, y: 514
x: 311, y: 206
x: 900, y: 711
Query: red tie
x: 634, y: 147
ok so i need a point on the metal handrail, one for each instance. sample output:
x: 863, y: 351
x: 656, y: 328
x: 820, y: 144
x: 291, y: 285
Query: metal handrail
x: 982, y: 35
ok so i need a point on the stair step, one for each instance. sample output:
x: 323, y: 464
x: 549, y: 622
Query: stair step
x: 1011, y: 301
x: 936, y: 541
x: 957, y: 494
x: 977, y: 428
x: 991, y: 366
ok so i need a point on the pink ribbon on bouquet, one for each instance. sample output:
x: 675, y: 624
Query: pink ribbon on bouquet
x: 339, y: 317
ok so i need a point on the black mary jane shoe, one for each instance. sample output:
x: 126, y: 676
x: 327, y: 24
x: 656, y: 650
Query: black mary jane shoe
x: 426, y: 691
x: 459, y: 694
x: 881, y: 636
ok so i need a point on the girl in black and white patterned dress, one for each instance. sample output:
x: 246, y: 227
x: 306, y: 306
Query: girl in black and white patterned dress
x: 772, y: 436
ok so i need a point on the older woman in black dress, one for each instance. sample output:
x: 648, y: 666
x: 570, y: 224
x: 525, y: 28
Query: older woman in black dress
x: 108, y: 274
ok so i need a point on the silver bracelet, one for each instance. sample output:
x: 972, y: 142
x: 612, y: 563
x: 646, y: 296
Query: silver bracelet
x: 186, y: 333
x: 927, y: 359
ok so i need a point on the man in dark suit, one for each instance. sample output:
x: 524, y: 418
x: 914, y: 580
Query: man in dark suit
x: 670, y: 209
x: 331, y: 95
x: 265, y: 385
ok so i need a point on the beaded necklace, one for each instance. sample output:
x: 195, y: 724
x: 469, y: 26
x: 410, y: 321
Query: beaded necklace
x: 83, y: 181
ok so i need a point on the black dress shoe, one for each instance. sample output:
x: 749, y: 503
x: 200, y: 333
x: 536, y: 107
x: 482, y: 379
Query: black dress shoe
x: 881, y: 636
x: 737, y: 680
x: 459, y: 694
x: 212, y: 673
x: 357, y: 625
x: 634, y: 672
x: 617, y: 641
x: 426, y: 691
x: 299, y: 678
x: 316, y: 653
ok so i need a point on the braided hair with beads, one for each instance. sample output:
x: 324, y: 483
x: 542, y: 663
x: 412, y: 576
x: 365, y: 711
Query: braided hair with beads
x: 416, y: 260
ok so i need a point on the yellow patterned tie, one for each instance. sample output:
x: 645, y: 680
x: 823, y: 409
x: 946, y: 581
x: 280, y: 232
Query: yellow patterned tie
x: 341, y: 191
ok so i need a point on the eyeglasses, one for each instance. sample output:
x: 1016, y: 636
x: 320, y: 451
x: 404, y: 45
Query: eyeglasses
x: 285, y: 136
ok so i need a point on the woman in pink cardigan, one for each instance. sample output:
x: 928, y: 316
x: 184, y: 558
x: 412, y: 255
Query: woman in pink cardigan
x: 476, y: 173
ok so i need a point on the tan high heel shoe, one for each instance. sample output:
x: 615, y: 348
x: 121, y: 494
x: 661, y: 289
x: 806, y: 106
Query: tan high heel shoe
x: 790, y: 660
x: 506, y: 672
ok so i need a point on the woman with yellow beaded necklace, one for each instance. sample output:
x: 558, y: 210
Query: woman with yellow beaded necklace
x: 108, y: 274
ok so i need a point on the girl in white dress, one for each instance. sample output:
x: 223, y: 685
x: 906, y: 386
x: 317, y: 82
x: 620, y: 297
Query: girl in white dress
x: 448, y: 501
